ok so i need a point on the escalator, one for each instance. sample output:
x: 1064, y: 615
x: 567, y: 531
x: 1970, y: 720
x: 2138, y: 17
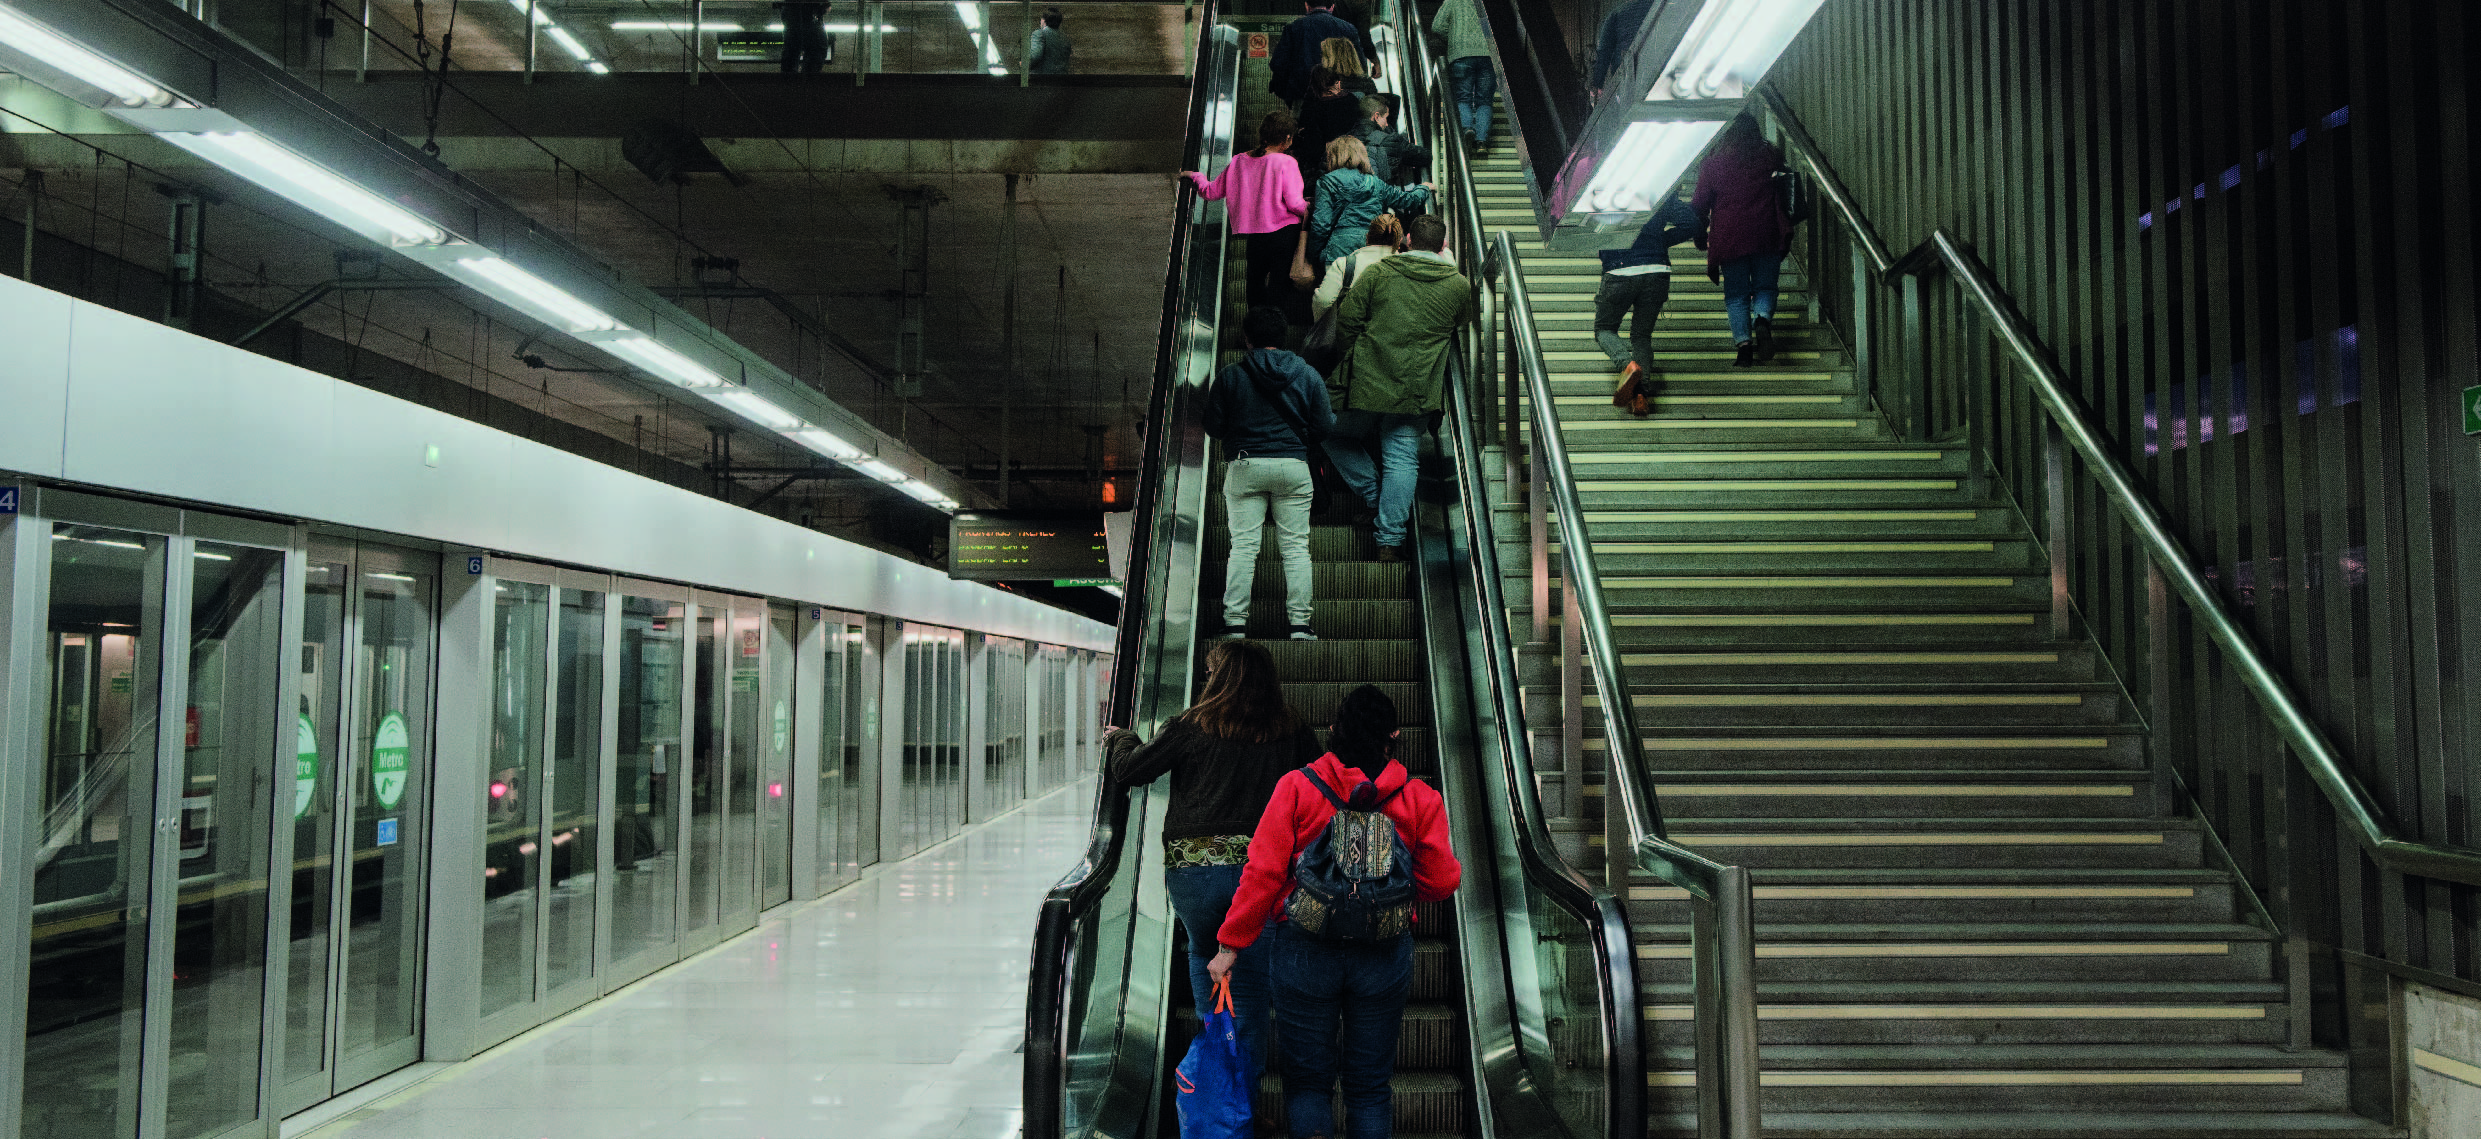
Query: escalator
x: 1515, y: 1024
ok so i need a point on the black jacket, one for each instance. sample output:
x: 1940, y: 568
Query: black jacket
x: 1218, y: 786
x: 1238, y: 413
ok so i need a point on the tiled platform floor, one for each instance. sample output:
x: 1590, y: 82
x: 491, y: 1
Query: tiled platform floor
x: 891, y: 1009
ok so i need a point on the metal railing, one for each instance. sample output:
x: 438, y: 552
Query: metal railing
x: 1095, y: 1006
x: 2064, y: 430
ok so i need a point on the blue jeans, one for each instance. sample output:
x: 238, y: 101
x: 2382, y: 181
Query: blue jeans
x: 1749, y: 290
x: 1471, y: 81
x: 1339, y: 1006
x: 1201, y: 895
x: 1379, y: 455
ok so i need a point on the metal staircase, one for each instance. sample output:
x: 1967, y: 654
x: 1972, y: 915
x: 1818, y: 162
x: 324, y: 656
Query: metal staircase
x: 1975, y: 913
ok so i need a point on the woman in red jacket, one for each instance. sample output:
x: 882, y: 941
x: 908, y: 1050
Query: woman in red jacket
x: 1340, y: 1004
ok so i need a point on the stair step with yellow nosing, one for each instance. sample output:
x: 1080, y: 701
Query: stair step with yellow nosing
x: 1928, y: 1078
x: 2225, y: 1124
x: 1674, y: 709
x: 2000, y: 1012
x: 1759, y: 630
x: 1607, y: 524
x: 1962, y: 903
x: 1752, y: 491
x: 1924, y: 555
x: 1746, y: 842
x: 1674, y: 749
x: 1597, y: 463
x: 1683, y: 426
x: 1880, y: 952
x: 1897, y: 794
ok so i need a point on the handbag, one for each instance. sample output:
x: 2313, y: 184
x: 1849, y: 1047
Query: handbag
x: 1213, y: 1079
x: 1320, y: 347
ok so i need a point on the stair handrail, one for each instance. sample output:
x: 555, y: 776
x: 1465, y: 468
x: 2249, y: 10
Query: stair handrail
x: 1155, y: 642
x: 1942, y: 251
x: 1723, y: 941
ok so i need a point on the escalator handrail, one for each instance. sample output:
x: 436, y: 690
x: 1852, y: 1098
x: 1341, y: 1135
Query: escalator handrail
x: 1136, y: 645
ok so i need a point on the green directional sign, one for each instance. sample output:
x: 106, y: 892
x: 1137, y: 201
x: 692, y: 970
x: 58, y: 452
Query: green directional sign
x: 2472, y: 410
x: 305, y: 767
x: 391, y: 755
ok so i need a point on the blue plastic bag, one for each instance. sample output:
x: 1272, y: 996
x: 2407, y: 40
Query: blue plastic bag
x: 1215, y: 1096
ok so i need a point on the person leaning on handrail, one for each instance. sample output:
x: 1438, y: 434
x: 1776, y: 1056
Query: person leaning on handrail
x: 1262, y: 191
x: 1225, y: 754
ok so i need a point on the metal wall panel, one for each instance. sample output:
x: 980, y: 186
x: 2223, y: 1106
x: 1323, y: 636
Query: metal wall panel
x: 2241, y: 227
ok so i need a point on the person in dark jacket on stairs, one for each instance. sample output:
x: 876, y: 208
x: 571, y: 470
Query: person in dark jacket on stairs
x: 1297, y: 50
x: 1747, y: 233
x: 1225, y: 754
x: 1638, y: 278
x: 1269, y: 409
x: 1339, y: 1005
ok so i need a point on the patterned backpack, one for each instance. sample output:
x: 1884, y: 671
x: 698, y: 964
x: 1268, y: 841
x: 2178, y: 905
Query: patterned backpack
x: 1354, y: 882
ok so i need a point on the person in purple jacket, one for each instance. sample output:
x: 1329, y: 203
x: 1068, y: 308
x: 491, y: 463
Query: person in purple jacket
x: 1747, y: 233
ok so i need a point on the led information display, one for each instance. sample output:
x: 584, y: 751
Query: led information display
x: 1019, y: 545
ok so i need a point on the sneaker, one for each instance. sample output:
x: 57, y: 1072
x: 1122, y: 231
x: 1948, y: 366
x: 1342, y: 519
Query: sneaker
x: 1748, y: 355
x: 1302, y: 633
x: 1472, y: 144
x: 1626, y: 393
x: 1765, y: 343
x: 1391, y: 553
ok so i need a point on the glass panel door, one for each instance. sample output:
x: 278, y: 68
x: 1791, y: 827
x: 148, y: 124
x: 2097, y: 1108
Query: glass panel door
x: 745, y: 720
x: 219, y: 942
x: 575, y: 794
x: 318, y: 727
x: 646, y: 819
x: 707, y: 783
x: 1003, y: 730
x: 775, y: 772
x: 511, y: 846
x: 93, y: 857
x: 843, y: 748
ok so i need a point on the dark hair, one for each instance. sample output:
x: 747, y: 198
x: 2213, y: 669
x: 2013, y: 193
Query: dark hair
x: 1051, y: 17
x: 1273, y: 130
x: 1321, y: 78
x: 1365, y: 729
x: 1265, y: 327
x: 1242, y: 699
x: 1427, y: 233
x: 1741, y: 133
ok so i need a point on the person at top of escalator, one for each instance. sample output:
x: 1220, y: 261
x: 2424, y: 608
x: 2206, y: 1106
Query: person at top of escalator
x: 1619, y: 29
x: 1471, y: 77
x: 1343, y: 962
x: 1298, y: 50
x: 1225, y: 754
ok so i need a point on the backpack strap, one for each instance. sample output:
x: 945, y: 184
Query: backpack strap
x: 1321, y: 784
x: 1271, y: 389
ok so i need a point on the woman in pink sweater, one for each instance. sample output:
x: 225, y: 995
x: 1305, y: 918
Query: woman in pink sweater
x: 1262, y: 189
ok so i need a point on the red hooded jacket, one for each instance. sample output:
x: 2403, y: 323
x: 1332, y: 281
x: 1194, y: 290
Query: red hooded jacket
x: 1298, y: 814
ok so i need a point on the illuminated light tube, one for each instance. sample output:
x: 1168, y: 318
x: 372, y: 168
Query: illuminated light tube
x: 310, y: 185
x: 923, y: 491
x: 672, y: 26
x: 1649, y: 160
x: 597, y: 68
x: 536, y: 296
x: 756, y: 408
x: 523, y: 6
x: 568, y: 41
x: 881, y: 471
x: 837, y: 27
x: 1730, y: 45
x: 60, y: 52
x: 824, y: 442
x: 663, y: 362
x: 970, y: 13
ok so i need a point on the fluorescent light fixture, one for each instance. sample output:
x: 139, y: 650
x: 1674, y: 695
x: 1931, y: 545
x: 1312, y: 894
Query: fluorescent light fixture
x: 756, y: 408
x: 523, y: 6
x: 824, y: 442
x: 1649, y: 160
x: 970, y: 13
x: 837, y: 27
x: 1729, y: 46
x: 537, y: 297
x: 663, y: 362
x: 564, y: 39
x: 922, y: 491
x: 597, y: 68
x: 673, y: 26
x: 60, y: 52
x: 312, y: 186
x: 990, y: 48
x: 1113, y: 590
x: 996, y: 70
x: 204, y: 556
x: 881, y: 471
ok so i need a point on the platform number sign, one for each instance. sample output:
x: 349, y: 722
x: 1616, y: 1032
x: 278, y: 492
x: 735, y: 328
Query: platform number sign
x: 8, y: 500
x: 2472, y: 425
x: 473, y: 566
x: 391, y: 751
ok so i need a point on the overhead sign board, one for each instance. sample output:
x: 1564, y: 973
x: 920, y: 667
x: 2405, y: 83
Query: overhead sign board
x: 1019, y: 545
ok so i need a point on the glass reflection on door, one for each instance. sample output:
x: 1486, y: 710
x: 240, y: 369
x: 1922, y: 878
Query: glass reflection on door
x: 219, y: 949
x: 775, y: 772
x: 576, y: 789
x: 93, y: 850
x: 326, y: 592
x: 386, y: 793
x: 1003, y: 733
x: 520, y: 668
x: 844, y: 738
x: 706, y: 773
x: 645, y: 864
x: 745, y: 724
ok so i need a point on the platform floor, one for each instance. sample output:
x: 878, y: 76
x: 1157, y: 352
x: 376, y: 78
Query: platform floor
x: 891, y: 1009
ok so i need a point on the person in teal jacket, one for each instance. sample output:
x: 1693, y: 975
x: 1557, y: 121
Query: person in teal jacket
x: 1349, y: 197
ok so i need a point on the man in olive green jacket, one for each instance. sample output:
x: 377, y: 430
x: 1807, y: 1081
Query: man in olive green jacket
x: 1396, y: 327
